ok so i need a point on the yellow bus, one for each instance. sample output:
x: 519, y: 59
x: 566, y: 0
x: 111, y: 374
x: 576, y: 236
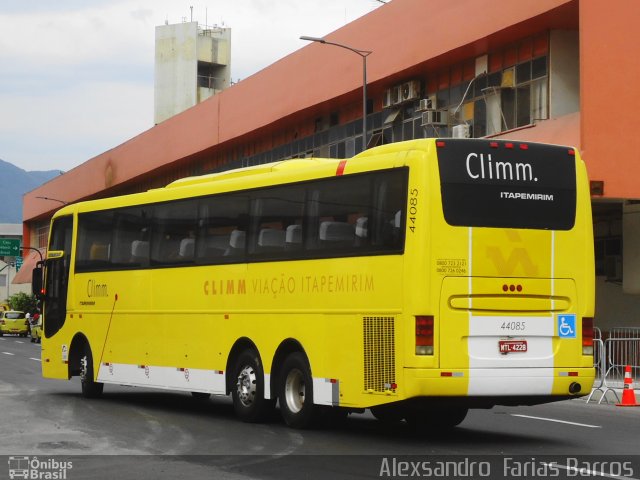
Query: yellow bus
x: 417, y: 279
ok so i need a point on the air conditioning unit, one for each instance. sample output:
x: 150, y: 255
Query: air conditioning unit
x: 461, y: 131
x: 410, y: 90
x: 429, y: 103
x: 386, y: 99
x: 434, y: 117
x: 396, y: 95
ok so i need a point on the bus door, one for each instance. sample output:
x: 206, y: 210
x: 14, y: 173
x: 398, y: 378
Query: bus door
x: 57, y: 275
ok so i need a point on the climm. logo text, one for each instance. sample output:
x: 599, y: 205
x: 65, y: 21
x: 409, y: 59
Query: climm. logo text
x: 485, y: 168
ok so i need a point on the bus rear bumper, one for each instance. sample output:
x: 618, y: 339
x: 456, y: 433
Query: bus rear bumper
x: 555, y: 383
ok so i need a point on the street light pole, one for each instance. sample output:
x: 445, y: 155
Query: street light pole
x: 54, y: 200
x: 364, y: 54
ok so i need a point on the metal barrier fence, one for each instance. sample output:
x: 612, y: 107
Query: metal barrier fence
x: 599, y: 360
x: 611, y: 356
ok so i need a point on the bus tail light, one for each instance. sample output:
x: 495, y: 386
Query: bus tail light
x: 424, y: 335
x: 587, y: 336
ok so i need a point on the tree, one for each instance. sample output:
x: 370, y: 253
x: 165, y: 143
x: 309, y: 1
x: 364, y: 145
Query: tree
x: 23, y: 302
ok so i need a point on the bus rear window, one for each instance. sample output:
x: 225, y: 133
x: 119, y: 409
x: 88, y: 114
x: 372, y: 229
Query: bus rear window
x: 507, y: 184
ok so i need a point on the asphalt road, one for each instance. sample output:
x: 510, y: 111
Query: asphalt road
x: 141, y: 433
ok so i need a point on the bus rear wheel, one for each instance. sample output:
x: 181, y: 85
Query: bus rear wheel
x: 388, y: 413
x: 295, y: 392
x: 248, y: 391
x: 90, y: 388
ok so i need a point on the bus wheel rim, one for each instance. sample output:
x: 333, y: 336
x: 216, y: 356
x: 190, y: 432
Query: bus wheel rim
x: 84, y: 368
x: 247, y: 386
x: 295, y: 391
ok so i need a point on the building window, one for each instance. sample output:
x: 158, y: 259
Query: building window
x: 39, y: 235
x: 607, y: 232
x: 513, y: 94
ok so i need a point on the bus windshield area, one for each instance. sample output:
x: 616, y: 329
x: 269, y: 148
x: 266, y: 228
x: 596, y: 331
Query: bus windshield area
x: 507, y: 184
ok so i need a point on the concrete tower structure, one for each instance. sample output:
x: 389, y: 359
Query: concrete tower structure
x: 192, y: 63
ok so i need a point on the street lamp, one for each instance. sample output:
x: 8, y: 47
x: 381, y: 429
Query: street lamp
x: 54, y: 200
x: 364, y: 54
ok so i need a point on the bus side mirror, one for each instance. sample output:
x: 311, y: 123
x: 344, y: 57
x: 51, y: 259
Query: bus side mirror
x: 36, y: 282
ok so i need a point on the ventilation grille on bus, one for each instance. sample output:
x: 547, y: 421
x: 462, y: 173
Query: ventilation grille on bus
x: 379, y: 354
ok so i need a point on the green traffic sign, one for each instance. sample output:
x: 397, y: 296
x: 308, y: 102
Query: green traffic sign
x: 19, y: 262
x: 9, y: 247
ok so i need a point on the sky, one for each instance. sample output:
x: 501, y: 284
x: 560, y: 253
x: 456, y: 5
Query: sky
x: 76, y: 76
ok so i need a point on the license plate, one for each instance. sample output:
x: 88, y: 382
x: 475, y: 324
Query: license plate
x: 509, y: 346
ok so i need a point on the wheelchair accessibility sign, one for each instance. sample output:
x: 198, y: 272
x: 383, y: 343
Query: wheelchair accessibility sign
x: 567, y: 325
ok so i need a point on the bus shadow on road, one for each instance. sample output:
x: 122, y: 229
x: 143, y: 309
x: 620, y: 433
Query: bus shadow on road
x: 217, y: 413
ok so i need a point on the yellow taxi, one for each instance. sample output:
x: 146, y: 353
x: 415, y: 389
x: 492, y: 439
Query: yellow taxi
x: 14, y: 322
x: 36, y: 328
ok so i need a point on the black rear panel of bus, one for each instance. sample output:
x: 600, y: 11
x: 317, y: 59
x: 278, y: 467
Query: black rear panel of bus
x: 505, y: 184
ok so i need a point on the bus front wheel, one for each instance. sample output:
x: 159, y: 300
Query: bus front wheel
x: 295, y: 392
x: 90, y: 388
x: 248, y: 392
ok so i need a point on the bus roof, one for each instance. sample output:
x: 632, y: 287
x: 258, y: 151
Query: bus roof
x: 293, y: 164
x: 294, y: 169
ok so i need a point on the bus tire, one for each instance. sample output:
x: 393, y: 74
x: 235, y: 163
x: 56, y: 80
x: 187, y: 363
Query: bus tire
x: 90, y: 388
x: 248, y: 390
x: 387, y: 413
x: 295, y: 392
x: 435, y: 419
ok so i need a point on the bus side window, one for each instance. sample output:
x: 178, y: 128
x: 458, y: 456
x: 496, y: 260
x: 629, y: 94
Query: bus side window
x: 293, y: 237
x: 131, y: 224
x: 95, y: 231
x: 139, y: 251
x: 362, y: 231
x: 99, y: 252
x: 387, y: 231
x: 222, y: 226
x: 337, y: 234
x: 237, y: 241
x: 397, y: 220
x: 273, y: 211
x: 121, y: 254
x: 344, y: 206
x: 214, y: 245
x: 271, y: 240
x: 187, y: 249
x: 174, y: 225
